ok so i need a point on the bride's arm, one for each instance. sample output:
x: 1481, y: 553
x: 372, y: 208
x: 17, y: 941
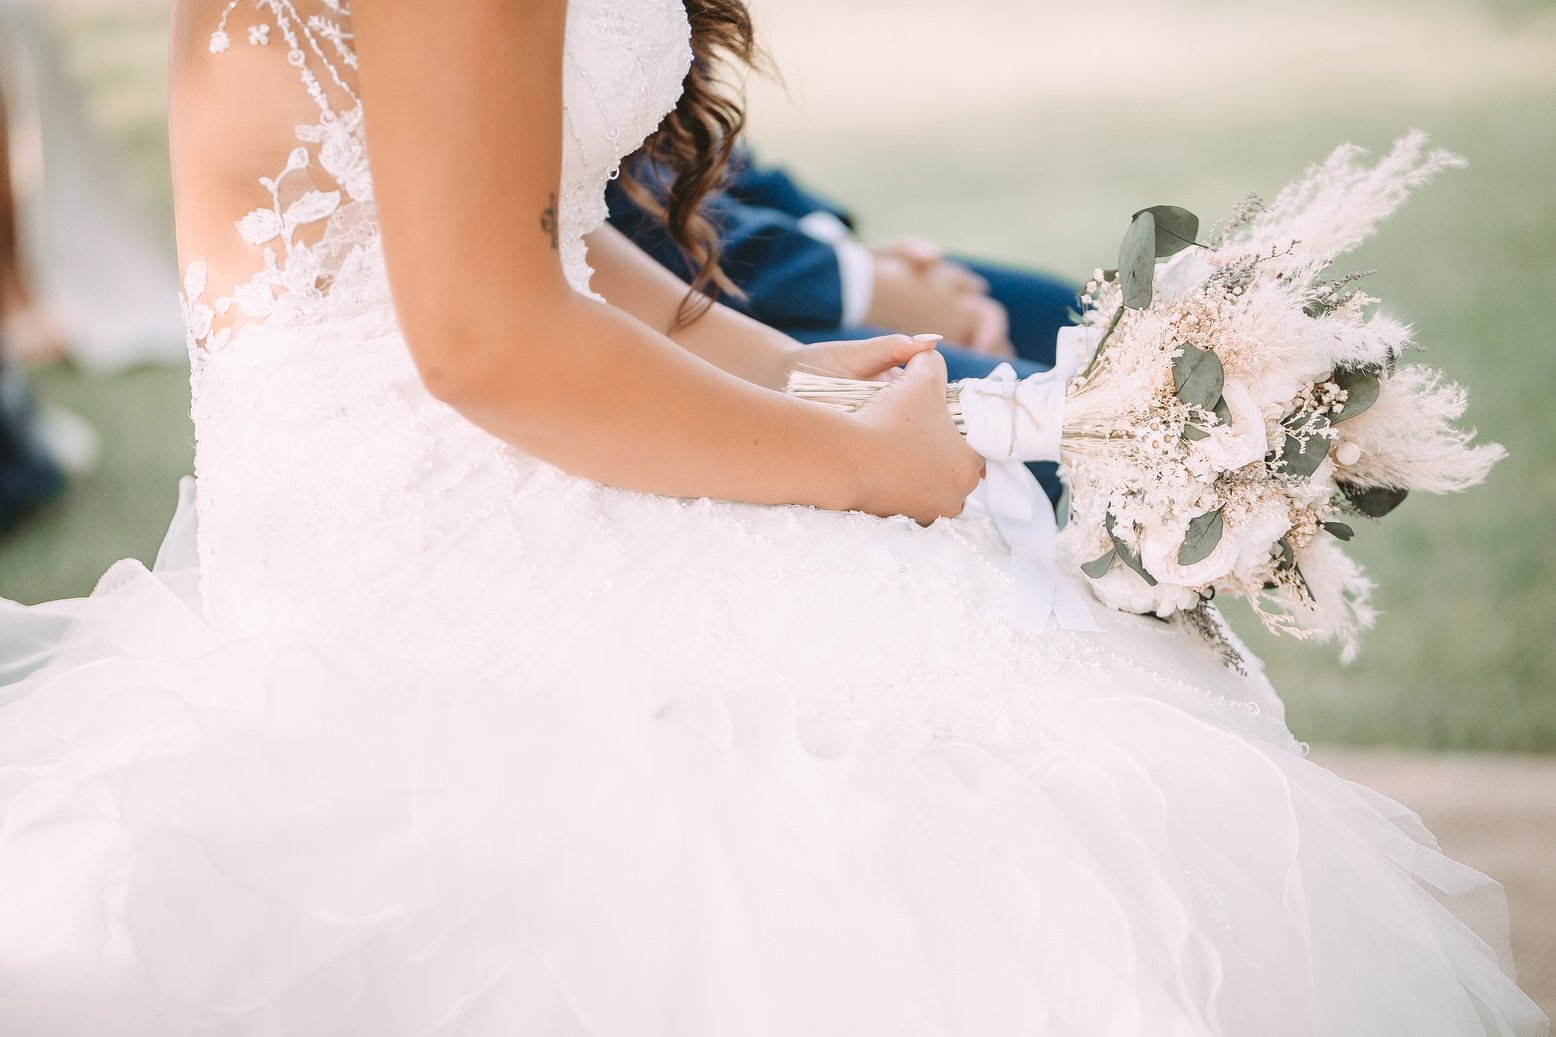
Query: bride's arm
x: 631, y: 279
x: 464, y: 110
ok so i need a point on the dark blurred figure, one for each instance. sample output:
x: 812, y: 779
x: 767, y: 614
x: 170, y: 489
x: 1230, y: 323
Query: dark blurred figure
x: 28, y: 475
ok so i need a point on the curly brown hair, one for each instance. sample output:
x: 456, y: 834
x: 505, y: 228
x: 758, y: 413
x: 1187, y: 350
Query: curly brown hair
x: 685, y: 159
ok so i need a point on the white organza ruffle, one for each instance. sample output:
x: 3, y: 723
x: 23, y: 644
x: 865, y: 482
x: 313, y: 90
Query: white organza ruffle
x: 282, y: 833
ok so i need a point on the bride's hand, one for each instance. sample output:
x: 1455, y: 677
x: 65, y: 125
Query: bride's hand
x: 925, y: 469
x: 872, y: 358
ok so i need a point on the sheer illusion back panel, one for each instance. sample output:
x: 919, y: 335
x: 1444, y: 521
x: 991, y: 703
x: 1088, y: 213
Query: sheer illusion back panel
x: 269, y: 168
x: 275, y: 197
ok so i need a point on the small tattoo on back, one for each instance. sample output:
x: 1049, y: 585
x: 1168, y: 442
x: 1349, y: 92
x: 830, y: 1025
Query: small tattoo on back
x: 548, y: 220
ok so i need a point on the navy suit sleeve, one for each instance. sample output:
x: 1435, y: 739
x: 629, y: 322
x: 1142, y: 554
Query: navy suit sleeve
x: 789, y: 278
x: 772, y: 188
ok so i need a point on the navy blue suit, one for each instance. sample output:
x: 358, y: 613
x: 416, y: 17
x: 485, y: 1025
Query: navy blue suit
x: 28, y: 476
x: 792, y: 281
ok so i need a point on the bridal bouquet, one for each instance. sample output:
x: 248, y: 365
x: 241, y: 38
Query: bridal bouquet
x: 1243, y: 407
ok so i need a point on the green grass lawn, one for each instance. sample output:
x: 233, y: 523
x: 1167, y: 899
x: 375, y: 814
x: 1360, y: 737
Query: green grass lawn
x: 1463, y: 656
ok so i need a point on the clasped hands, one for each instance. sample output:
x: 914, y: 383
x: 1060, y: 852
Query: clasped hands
x: 918, y: 289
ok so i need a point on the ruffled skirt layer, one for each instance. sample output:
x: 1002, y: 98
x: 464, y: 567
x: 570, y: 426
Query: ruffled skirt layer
x: 280, y: 833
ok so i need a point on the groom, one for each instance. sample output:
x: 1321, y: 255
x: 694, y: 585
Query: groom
x: 803, y: 271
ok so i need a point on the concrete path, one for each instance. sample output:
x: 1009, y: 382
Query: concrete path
x: 1494, y: 813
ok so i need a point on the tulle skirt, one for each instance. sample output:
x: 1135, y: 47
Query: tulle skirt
x: 280, y: 832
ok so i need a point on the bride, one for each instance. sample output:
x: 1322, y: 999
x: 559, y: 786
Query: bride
x: 544, y: 671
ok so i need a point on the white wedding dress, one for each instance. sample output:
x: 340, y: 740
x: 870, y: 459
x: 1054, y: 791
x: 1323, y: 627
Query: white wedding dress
x: 442, y: 740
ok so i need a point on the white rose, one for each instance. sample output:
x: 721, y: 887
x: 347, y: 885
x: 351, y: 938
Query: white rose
x: 1240, y: 442
x: 1266, y: 523
x: 1124, y: 590
x: 1279, y: 380
x: 1159, y: 554
x: 1182, y: 274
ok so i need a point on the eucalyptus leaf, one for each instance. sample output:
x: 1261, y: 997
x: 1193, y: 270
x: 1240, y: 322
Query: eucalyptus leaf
x: 1097, y: 568
x: 1223, y: 412
x: 1197, y: 376
x: 1302, y: 461
x: 1176, y: 229
x: 1288, y: 554
x: 1193, y: 433
x: 1132, y: 560
x: 1062, y: 509
x: 1110, y: 274
x: 1137, y: 261
x: 1373, y: 501
x: 1127, y: 556
x: 1362, y: 387
x: 1204, y: 533
x: 1340, y: 530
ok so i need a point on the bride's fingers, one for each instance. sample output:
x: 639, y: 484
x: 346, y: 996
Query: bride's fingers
x: 925, y: 373
x: 915, y: 346
x: 878, y: 357
x: 927, y: 365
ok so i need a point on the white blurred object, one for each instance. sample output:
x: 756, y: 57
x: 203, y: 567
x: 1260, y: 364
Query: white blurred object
x: 69, y: 439
x: 100, y: 270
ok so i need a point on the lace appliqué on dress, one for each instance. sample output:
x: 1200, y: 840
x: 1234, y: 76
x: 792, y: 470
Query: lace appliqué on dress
x: 308, y: 268
x: 319, y: 232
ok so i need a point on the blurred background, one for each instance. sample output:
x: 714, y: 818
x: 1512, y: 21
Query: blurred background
x: 1028, y: 131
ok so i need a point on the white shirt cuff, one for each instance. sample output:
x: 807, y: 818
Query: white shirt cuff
x: 855, y: 264
x: 823, y: 226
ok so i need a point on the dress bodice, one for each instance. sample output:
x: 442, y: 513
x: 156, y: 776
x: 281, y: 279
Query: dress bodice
x: 624, y: 66
x: 314, y: 229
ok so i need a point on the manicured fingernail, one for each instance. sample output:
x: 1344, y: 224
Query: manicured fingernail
x: 928, y: 338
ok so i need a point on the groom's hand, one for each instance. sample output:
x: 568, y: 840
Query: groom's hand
x: 918, y: 289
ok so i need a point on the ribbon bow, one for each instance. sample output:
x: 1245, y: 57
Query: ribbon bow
x: 1010, y: 421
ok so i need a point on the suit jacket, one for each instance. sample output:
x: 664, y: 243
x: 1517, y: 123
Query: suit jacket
x: 790, y: 279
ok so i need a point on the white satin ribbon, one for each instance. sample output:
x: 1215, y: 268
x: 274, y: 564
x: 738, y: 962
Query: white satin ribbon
x: 1009, y: 422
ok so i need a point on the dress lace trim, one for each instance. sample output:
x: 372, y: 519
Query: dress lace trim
x: 319, y: 229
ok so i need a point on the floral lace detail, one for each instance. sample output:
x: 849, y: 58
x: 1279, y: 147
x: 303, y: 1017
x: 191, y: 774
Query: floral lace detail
x: 302, y: 280
x: 299, y: 32
x: 320, y: 239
